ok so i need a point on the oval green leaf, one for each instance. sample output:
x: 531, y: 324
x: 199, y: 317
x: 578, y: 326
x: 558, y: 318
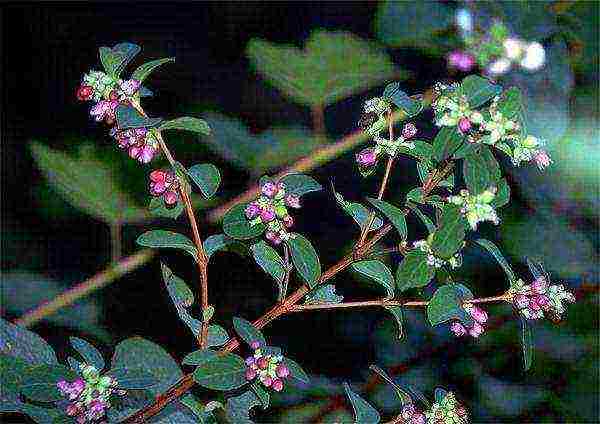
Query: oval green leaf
x: 226, y: 372
x: 207, y: 177
x: 378, y: 272
x: 162, y: 239
x: 305, y: 259
x: 414, y: 271
x: 236, y: 225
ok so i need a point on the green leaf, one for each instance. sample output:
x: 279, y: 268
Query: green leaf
x: 157, y: 207
x: 200, y: 357
x: 236, y: 225
x: 238, y: 407
x: 262, y: 394
x: 88, y: 353
x: 304, y: 258
x: 448, y: 238
x: 447, y: 304
x: 411, y: 24
x: 224, y: 243
x: 187, y: 123
x: 142, y: 72
x: 358, y: 212
x: 217, y: 336
x: 270, y: 262
x: 137, y: 353
x: 297, y: 374
x: 86, y: 183
x: 21, y: 343
x: 511, y: 104
x: 333, y: 65
x: 161, y: 239
x: 300, y: 184
x: 395, y: 215
x: 526, y: 344
x: 207, y: 177
x: 447, y: 141
x: 133, y: 379
x: 422, y: 150
x: 424, y: 218
x: 477, y: 177
x: 39, y: 383
x: 396, y: 312
x: 364, y: 413
x: 13, y: 370
x: 495, y: 252
x: 226, y: 372
x: 116, y: 59
x: 414, y: 271
x: 323, y: 294
x: 273, y: 148
x: 180, y: 293
x: 248, y: 332
x: 502, y: 194
x: 394, y: 94
x: 129, y: 117
x: 378, y: 272
x: 479, y: 90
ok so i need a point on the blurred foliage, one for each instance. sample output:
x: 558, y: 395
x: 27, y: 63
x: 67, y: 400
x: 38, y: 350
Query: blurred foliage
x: 332, y: 66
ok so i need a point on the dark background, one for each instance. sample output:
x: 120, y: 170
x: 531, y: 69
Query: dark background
x: 46, y: 49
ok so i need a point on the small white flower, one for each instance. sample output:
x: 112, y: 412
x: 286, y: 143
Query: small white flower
x: 464, y: 20
x: 499, y: 67
x: 513, y: 48
x: 534, y: 58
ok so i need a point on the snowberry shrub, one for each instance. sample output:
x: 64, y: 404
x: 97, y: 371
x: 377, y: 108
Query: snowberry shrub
x: 477, y: 121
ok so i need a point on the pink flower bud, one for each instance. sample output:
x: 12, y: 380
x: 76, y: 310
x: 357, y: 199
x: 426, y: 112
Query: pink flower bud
x: 408, y: 411
x: 418, y: 418
x: 249, y: 360
x: 282, y: 371
x: 277, y: 385
x: 250, y: 374
x: 292, y: 201
x: 269, y: 189
x: 288, y: 221
x: 458, y: 329
x: 146, y: 154
x: 267, y: 381
x: 366, y: 157
x: 477, y: 330
x: 462, y: 411
x: 542, y: 160
x: 464, y: 125
x: 267, y: 215
x: 72, y: 410
x: 263, y: 363
x: 543, y: 301
x: 84, y: 93
x: 539, y: 286
x: 252, y: 210
x: 521, y: 301
x: 409, y: 130
x: 158, y: 176
x: 460, y: 60
x: 255, y: 344
x: 170, y: 198
x: 478, y: 314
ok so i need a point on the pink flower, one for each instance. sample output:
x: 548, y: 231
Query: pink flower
x: 282, y: 371
x: 460, y: 60
x: 521, y: 301
x: 542, y: 159
x: 267, y: 215
x: 72, y: 410
x: 366, y: 157
x: 100, y: 110
x: 464, y: 125
x: 542, y: 300
x: 269, y: 189
x: 263, y: 363
x: 249, y: 360
x: 293, y: 201
x: 277, y: 385
x: 539, y: 286
x: 458, y: 329
x: 130, y: 87
x: 273, y: 237
x: 84, y: 93
x: 476, y: 330
x: 252, y: 211
x: 250, y: 374
x: 170, y: 198
x: 288, y: 221
x: 163, y: 183
x: 478, y: 314
x: 255, y: 344
x: 267, y: 381
x: 409, y: 130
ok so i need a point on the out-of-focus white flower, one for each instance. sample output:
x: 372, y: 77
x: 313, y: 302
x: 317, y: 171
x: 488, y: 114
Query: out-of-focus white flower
x: 513, y: 48
x: 499, y: 67
x: 535, y: 57
x: 464, y: 20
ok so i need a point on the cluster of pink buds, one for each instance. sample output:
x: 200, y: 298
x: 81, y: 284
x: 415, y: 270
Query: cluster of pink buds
x: 411, y: 415
x: 164, y: 184
x: 460, y: 60
x: 89, y: 395
x: 271, y: 209
x: 476, y: 329
x: 268, y: 369
x: 141, y: 143
x: 539, y: 297
x: 367, y: 158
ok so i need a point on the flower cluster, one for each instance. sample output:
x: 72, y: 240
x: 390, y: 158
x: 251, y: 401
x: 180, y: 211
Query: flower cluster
x: 373, y: 119
x: 495, y: 50
x: 88, y: 396
x: 476, y: 329
x: 432, y: 260
x: 271, y: 209
x: 164, y: 184
x: 530, y: 149
x: 476, y: 208
x: 368, y: 158
x: 141, y: 143
x: 268, y: 369
x: 447, y: 411
x: 452, y: 109
x: 539, y: 297
x: 411, y: 415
